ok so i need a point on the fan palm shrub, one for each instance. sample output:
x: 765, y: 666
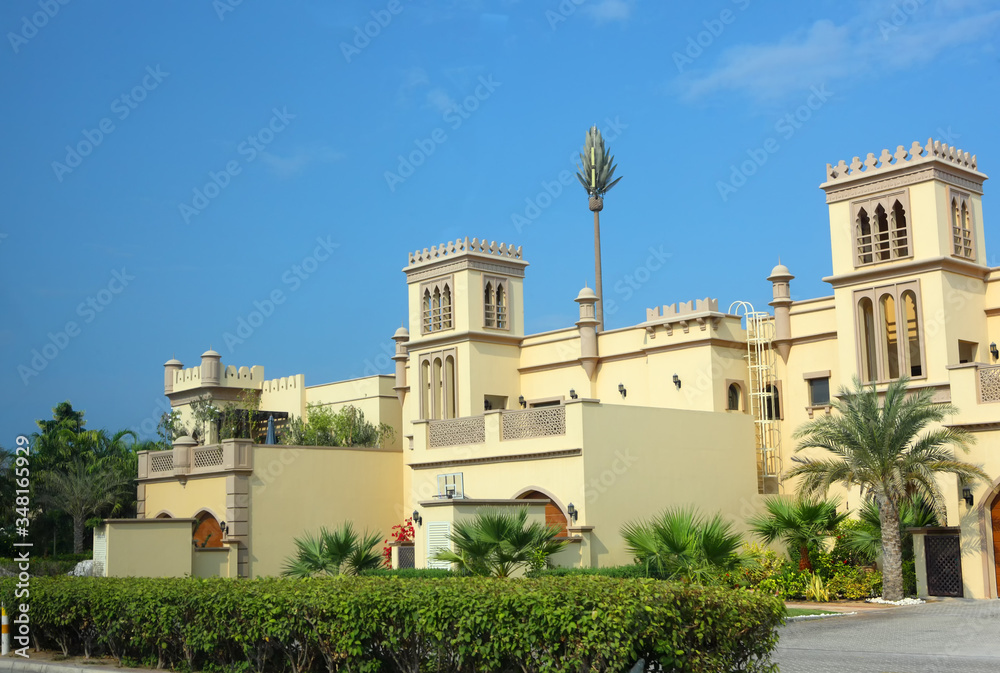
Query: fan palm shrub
x: 338, y: 552
x: 893, y: 448
x: 866, y: 538
x: 500, y: 542
x: 679, y: 543
x: 800, y: 523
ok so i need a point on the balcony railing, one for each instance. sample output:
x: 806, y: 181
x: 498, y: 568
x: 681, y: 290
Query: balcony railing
x: 514, y: 424
x: 528, y: 423
x: 231, y: 455
x: 457, y: 431
x: 989, y: 383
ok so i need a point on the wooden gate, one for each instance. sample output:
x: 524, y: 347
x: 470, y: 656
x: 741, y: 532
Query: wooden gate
x: 944, y: 565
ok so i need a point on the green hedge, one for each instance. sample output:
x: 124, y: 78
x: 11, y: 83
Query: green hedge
x: 45, y: 566
x: 632, y: 571
x: 410, y: 573
x: 377, y: 624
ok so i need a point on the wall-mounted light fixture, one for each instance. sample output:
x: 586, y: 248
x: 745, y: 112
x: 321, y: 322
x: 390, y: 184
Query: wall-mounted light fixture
x: 486, y: 405
x: 224, y: 528
x: 572, y: 511
x: 967, y: 496
x: 621, y: 389
x: 677, y: 381
x: 572, y: 394
x: 520, y: 400
x: 417, y: 519
x: 994, y: 352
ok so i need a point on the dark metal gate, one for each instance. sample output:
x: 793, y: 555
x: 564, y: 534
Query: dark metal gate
x: 405, y: 557
x: 944, y: 565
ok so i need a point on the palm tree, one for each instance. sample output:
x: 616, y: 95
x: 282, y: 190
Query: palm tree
x: 680, y: 544
x: 80, y: 492
x: 338, y: 552
x: 798, y: 522
x: 867, y: 539
x: 597, y: 167
x: 889, y: 449
x: 499, y: 542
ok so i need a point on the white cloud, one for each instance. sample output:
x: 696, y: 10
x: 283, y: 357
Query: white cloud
x: 290, y: 165
x: 606, y: 11
x: 881, y: 40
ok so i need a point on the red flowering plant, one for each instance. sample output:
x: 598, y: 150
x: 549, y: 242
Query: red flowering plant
x: 400, y: 533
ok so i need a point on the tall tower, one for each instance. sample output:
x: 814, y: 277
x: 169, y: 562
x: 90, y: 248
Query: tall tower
x: 909, y: 265
x: 466, y: 312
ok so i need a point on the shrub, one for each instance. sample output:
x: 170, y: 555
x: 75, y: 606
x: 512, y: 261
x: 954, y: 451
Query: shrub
x: 375, y: 624
x: 632, y: 571
x: 409, y: 573
x: 855, y: 583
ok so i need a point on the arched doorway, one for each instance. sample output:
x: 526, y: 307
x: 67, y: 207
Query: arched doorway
x: 163, y: 515
x: 553, y: 515
x: 207, y: 532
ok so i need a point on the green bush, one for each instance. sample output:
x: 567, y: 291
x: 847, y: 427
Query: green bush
x: 551, y: 624
x: 855, y: 583
x: 45, y: 566
x: 409, y: 573
x: 632, y: 571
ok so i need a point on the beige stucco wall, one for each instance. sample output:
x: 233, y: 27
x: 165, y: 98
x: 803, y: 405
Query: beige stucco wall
x: 219, y: 562
x: 186, y: 499
x: 316, y: 487
x: 639, y: 461
x: 148, y: 548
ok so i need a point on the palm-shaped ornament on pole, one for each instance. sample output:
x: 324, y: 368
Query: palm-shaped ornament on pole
x: 597, y: 168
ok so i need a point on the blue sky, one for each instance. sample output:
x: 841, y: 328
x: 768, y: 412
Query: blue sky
x: 167, y: 165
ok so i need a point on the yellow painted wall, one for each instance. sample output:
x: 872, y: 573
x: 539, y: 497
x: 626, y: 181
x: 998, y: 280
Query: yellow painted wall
x: 185, y: 500
x: 640, y: 460
x: 211, y: 562
x: 141, y: 548
x: 318, y: 487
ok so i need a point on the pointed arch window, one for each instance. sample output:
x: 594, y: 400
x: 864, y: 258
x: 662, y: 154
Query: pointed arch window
x: 496, y: 303
x: 866, y: 328
x: 882, y: 229
x: 437, y: 305
x: 960, y: 206
x: 889, y: 332
x: 439, y: 385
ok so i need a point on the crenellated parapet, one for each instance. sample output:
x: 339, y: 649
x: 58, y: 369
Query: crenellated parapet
x: 683, y: 308
x: 282, y: 384
x: 244, y: 377
x: 886, y: 162
x: 701, y: 312
x: 230, y: 376
x: 458, y: 247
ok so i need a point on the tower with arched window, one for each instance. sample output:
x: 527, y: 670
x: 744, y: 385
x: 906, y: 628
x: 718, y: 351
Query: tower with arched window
x: 465, y: 314
x: 909, y: 271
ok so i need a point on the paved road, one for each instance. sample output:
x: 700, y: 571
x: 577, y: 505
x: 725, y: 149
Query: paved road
x: 957, y: 635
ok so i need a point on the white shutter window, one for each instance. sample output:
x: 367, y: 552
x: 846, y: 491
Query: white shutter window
x: 100, y: 550
x: 438, y: 537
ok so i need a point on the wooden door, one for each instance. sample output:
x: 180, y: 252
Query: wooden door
x: 995, y: 512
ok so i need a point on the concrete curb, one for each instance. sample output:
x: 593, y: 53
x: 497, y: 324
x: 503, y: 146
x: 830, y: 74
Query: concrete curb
x: 804, y: 618
x: 21, y: 665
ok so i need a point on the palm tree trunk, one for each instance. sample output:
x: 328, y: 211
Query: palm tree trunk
x: 78, y: 528
x: 892, y: 555
x: 804, y: 562
x: 599, y: 306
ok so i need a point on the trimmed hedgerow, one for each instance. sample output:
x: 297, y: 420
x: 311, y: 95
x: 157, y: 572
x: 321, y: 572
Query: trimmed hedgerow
x: 549, y: 624
x: 410, y: 573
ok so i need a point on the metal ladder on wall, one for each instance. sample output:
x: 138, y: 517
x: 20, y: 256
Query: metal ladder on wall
x: 763, y: 401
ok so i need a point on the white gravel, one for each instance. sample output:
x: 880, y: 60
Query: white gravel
x: 905, y: 601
